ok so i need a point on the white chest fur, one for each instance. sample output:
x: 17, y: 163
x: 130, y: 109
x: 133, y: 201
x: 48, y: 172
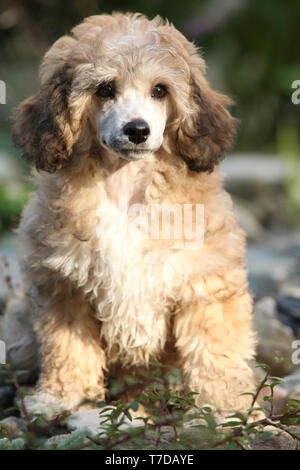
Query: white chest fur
x: 137, y: 285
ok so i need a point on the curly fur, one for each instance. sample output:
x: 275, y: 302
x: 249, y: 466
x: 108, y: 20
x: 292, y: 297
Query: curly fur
x: 109, y: 301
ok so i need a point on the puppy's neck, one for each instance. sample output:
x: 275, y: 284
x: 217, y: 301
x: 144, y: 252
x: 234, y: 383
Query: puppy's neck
x: 127, y: 181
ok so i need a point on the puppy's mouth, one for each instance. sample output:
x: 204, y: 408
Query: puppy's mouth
x: 133, y: 154
x: 128, y: 153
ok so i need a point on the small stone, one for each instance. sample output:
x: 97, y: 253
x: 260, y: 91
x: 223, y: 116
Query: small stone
x: 288, y: 310
x: 248, y: 222
x: 274, y: 339
x: 256, y: 169
x: 290, y: 288
x: 291, y: 384
x: 281, y: 442
x: 13, y: 426
x: 56, y: 439
x: 90, y: 420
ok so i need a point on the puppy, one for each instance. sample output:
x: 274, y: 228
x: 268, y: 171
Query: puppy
x: 125, y: 122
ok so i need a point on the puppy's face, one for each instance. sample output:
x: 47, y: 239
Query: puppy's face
x: 132, y: 117
x: 127, y: 86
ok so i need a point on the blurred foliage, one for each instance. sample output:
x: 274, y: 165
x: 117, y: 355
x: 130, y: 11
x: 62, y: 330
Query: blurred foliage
x: 11, y: 204
x: 288, y: 146
x: 251, y: 48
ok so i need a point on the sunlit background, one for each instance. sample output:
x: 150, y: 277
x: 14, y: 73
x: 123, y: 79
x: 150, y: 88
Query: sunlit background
x: 252, y: 51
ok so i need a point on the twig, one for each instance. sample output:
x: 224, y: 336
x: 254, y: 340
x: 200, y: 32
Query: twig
x: 20, y: 396
x: 261, y: 385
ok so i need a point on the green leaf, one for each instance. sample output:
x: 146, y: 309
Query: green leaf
x: 116, y: 413
x: 207, y: 409
x: 232, y: 446
x: 20, y: 372
x: 292, y: 420
x: 132, y: 380
x: 231, y: 424
x: 126, y: 412
x: 211, y: 422
x: 134, y: 404
x: 265, y: 435
x: 239, y: 416
x: 100, y: 404
x: 293, y: 400
x: 268, y: 399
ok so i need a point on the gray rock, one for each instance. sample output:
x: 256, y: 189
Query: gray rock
x: 58, y: 439
x: 13, y: 426
x: 258, y: 180
x: 288, y: 311
x: 290, y: 288
x: 289, y: 306
x: 248, y: 222
x: 273, y: 264
x: 253, y: 168
x: 291, y: 384
x: 10, y: 277
x: 274, y: 339
x: 283, y: 441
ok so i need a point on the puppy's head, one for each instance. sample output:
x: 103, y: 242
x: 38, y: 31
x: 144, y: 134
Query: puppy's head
x: 128, y: 86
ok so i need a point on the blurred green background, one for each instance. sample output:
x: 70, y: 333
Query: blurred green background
x: 251, y: 47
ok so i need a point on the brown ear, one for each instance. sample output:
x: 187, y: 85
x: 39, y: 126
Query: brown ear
x: 43, y: 123
x: 203, y: 138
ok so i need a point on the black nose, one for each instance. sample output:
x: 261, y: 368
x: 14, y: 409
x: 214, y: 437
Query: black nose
x: 137, y: 131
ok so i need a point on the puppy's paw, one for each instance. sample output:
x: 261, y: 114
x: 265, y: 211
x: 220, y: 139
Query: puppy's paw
x: 44, y: 404
x: 92, y: 421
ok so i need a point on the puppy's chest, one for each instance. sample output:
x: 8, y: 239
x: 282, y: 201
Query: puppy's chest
x: 137, y: 282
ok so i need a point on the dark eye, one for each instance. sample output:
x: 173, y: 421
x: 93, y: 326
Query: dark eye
x: 159, y: 91
x: 105, y: 90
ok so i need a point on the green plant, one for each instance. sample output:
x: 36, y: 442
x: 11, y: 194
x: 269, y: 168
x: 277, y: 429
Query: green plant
x: 172, y: 422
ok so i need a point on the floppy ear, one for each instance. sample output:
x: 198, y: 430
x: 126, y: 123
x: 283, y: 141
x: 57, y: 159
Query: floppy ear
x: 43, y: 126
x: 203, y: 138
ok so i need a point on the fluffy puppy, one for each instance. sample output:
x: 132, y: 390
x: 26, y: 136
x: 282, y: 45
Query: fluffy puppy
x: 126, y: 118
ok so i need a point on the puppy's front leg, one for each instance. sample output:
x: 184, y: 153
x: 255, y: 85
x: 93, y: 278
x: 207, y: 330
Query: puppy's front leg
x: 215, y: 340
x: 72, y: 359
